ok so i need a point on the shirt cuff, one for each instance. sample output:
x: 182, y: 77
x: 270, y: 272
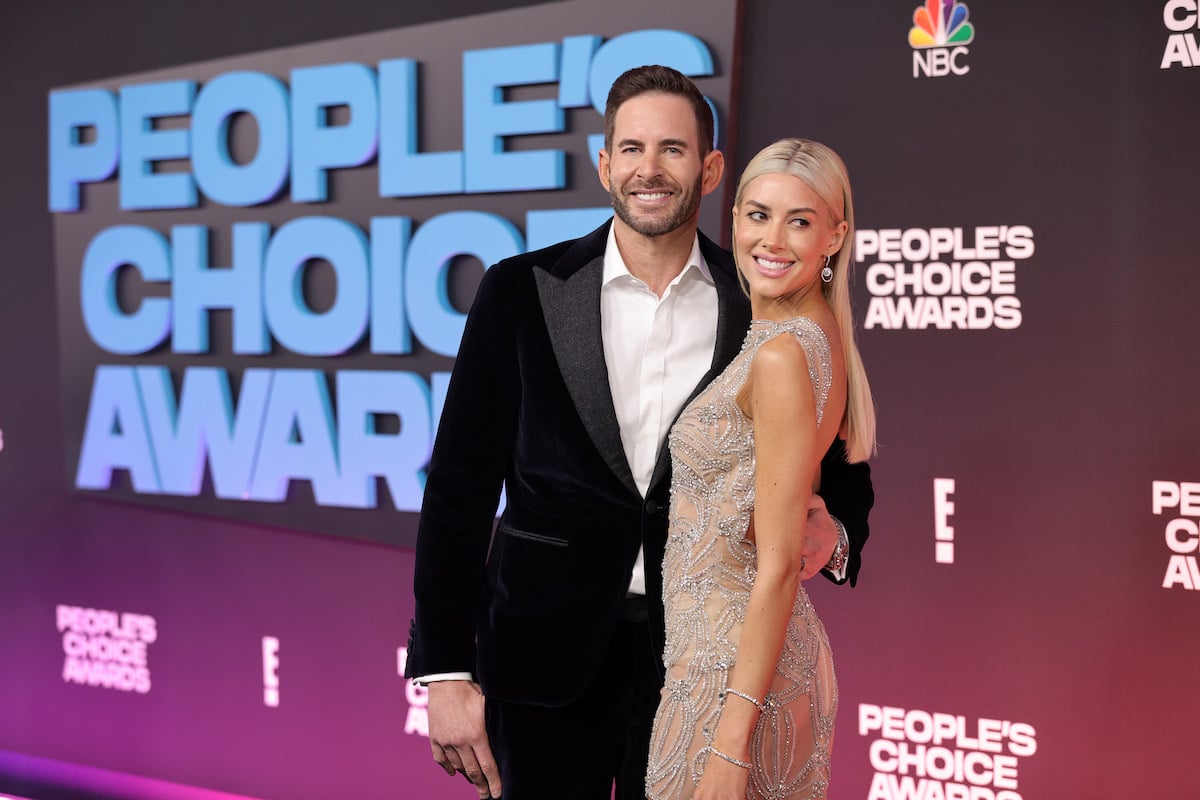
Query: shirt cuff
x: 443, y: 676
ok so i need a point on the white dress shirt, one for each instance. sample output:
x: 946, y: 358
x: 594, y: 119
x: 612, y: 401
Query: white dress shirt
x: 656, y: 349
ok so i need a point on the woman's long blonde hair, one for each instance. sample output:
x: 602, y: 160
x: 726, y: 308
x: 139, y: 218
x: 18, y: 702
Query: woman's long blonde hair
x: 823, y: 171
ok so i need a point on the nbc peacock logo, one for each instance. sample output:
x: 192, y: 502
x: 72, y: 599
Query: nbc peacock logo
x: 939, y: 37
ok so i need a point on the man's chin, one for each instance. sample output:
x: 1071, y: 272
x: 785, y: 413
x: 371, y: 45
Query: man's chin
x: 652, y: 226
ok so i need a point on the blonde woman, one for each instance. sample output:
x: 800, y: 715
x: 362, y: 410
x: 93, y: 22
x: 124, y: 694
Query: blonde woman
x: 750, y: 697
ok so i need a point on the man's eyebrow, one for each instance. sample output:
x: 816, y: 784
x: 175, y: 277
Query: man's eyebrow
x: 681, y: 143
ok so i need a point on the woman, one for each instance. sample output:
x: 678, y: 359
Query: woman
x: 750, y: 698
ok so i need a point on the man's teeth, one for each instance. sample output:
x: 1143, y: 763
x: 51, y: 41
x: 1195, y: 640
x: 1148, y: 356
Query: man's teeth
x: 650, y: 195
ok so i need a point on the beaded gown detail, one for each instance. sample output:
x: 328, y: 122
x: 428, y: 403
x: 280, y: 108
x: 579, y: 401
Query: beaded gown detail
x: 708, y: 570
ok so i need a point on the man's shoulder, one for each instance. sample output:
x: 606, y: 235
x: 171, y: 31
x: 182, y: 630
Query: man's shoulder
x: 572, y: 252
x: 545, y: 257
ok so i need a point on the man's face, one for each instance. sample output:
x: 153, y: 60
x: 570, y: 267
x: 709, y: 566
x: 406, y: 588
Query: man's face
x: 655, y: 172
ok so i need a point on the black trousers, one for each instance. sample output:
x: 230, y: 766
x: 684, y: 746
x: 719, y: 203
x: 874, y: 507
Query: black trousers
x: 602, y: 739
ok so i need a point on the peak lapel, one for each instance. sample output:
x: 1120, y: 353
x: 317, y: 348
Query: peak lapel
x: 571, y: 307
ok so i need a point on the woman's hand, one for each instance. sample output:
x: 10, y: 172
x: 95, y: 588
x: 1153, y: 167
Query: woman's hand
x: 722, y: 780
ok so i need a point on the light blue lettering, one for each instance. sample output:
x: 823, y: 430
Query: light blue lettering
x: 434, y: 246
x: 399, y: 458
x: 204, y: 428
x: 143, y: 145
x: 199, y: 288
x: 318, y: 146
x: 297, y: 439
x: 404, y: 172
x: 389, y: 321
x: 71, y: 161
x: 577, y: 52
x: 220, y: 178
x: 146, y: 251
x: 487, y: 119
x: 115, y: 435
x: 294, y: 325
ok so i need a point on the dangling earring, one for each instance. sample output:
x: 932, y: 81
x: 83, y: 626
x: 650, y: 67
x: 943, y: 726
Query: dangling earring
x: 826, y: 272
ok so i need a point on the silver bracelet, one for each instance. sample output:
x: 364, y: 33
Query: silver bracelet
x: 729, y: 758
x: 744, y: 696
x: 841, y: 550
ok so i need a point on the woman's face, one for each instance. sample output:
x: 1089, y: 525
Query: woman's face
x: 782, y: 232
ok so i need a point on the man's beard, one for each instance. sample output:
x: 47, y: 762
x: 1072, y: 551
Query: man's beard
x: 689, y: 204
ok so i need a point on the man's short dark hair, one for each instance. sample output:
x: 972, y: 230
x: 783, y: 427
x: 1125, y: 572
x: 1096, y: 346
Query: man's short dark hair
x: 663, y: 80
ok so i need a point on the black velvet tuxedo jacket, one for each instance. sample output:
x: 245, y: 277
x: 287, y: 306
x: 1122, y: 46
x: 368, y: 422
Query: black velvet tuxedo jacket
x: 530, y: 610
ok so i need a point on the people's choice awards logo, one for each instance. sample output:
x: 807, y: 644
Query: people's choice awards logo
x: 1182, y: 19
x: 1182, y: 502
x: 105, y: 648
x: 923, y: 755
x: 184, y: 403
x: 964, y: 278
x: 939, y: 37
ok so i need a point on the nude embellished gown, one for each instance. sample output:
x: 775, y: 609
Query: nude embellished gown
x: 708, y: 571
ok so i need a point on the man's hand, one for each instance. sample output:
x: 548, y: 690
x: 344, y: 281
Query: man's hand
x: 820, y: 538
x: 457, y: 735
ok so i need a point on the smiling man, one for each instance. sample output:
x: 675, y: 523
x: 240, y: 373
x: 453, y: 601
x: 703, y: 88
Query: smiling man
x: 542, y: 647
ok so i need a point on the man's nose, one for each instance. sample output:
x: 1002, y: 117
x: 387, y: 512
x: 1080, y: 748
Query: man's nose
x: 649, y: 166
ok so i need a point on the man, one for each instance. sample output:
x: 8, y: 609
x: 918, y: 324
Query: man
x: 543, y: 655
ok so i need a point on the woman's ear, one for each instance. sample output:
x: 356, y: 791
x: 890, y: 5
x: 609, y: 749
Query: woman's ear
x: 839, y: 238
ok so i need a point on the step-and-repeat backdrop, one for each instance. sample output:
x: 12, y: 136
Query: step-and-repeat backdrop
x: 235, y: 287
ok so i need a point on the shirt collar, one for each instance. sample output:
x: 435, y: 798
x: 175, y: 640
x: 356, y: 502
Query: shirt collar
x: 614, y: 265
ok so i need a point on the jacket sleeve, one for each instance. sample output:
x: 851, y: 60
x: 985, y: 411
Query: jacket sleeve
x: 471, y: 456
x: 848, y: 494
